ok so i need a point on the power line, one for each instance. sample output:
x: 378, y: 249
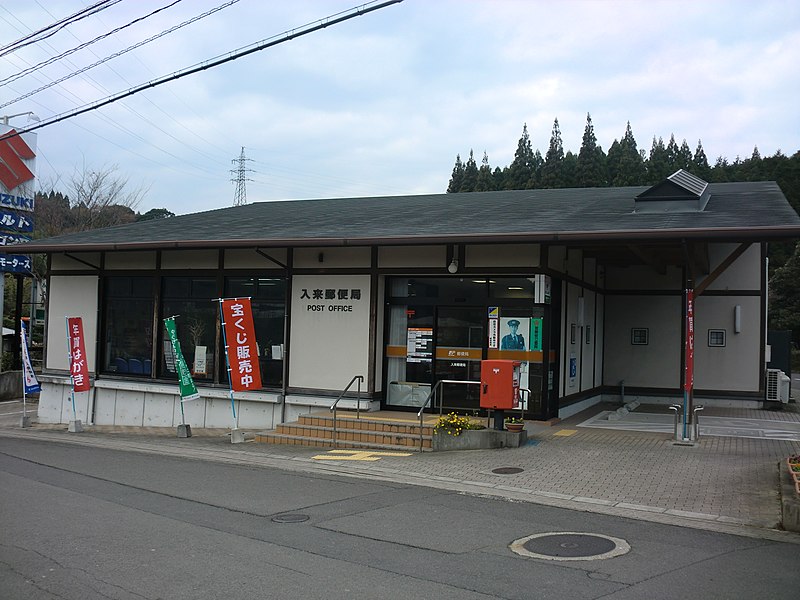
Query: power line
x: 264, y: 44
x: 66, y: 53
x: 32, y: 38
x: 120, y: 53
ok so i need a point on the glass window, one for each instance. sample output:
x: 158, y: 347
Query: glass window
x: 129, y: 326
x: 192, y: 301
x: 268, y: 300
x: 716, y: 338
x: 442, y: 289
x: 640, y: 336
x: 511, y: 287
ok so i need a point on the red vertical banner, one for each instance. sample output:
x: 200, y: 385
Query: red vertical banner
x: 78, y: 367
x: 241, y: 347
x: 688, y: 379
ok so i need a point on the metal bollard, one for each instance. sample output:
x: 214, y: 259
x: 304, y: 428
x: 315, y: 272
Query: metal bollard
x: 696, y: 421
x: 678, y: 413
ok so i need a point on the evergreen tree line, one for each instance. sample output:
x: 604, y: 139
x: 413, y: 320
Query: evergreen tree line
x: 624, y: 164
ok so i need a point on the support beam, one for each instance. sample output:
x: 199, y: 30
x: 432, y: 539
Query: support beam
x: 721, y: 268
x: 649, y: 258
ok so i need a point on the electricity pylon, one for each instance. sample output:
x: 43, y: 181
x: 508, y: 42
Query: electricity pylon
x: 240, y: 195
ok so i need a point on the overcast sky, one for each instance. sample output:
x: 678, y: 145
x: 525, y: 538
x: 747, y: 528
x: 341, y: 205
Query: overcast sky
x: 381, y: 104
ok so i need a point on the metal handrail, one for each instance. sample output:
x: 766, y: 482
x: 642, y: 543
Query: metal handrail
x: 431, y: 395
x: 360, y: 378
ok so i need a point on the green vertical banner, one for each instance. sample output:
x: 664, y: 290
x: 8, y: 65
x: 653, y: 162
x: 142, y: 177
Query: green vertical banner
x: 536, y: 333
x: 188, y: 388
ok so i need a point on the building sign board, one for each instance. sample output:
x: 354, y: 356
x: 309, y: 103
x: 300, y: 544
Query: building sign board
x: 15, y: 263
x: 16, y: 221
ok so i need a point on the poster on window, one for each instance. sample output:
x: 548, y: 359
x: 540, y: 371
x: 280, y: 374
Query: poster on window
x: 419, y: 345
x: 240, y: 344
x: 78, y: 367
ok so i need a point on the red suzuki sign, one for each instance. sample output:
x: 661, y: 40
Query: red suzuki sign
x: 13, y: 151
x: 688, y: 379
x: 78, y: 367
x: 241, y: 347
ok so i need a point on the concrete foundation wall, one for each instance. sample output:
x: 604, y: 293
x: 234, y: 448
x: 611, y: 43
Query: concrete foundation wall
x: 141, y: 404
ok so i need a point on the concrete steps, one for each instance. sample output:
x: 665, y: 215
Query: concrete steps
x: 366, y: 432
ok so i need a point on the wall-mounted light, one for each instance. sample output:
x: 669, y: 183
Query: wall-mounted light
x: 453, y: 266
x: 737, y: 318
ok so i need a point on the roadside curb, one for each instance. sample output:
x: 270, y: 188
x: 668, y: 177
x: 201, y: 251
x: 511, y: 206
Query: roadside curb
x: 790, y: 499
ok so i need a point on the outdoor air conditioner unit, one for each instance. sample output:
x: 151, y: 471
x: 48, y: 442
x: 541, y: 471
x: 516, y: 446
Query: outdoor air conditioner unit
x: 777, y: 386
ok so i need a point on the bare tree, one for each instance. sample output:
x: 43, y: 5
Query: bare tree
x: 100, y: 198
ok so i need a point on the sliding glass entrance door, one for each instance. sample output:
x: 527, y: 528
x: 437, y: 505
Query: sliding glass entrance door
x: 460, y: 338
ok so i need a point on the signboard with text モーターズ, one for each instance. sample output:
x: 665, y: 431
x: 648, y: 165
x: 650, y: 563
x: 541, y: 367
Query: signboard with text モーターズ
x: 78, y: 366
x: 240, y: 340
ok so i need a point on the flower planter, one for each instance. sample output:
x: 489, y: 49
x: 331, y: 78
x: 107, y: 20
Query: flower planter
x: 516, y: 427
x: 478, y: 439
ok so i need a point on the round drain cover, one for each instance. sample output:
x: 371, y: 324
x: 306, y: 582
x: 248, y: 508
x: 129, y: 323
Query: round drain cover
x: 290, y: 518
x: 507, y: 470
x: 570, y: 545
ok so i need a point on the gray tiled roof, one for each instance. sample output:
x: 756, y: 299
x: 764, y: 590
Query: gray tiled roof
x: 737, y: 210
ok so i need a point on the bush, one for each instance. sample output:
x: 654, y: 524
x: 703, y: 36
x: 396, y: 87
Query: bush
x: 453, y: 424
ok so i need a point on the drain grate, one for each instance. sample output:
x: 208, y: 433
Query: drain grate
x: 507, y: 470
x: 290, y: 518
x: 570, y: 545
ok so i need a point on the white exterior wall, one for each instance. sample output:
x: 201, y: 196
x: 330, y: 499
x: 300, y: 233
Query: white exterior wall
x: 743, y: 274
x: 71, y: 296
x: 309, y: 258
x: 189, y: 259
x: 412, y: 256
x: 247, y: 258
x: 657, y: 364
x: 62, y: 262
x: 130, y: 260
x: 502, y: 255
x: 736, y: 366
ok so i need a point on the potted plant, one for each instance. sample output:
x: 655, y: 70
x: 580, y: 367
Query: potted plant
x: 514, y: 424
x: 794, y: 467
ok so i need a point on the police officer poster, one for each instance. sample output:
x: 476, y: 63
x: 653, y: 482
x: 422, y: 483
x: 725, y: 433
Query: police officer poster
x: 512, y: 330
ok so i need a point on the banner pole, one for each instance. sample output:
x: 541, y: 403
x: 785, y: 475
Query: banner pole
x: 227, y: 364
x: 186, y: 386
x: 24, y: 386
x: 71, y: 377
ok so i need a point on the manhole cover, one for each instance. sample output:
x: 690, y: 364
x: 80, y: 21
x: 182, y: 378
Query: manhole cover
x: 290, y: 518
x: 570, y: 545
x: 507, y: 470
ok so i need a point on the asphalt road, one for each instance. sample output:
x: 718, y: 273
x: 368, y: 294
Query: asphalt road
x: 83, y: 523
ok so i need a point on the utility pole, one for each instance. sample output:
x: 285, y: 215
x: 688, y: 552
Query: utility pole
x: 240, y: 177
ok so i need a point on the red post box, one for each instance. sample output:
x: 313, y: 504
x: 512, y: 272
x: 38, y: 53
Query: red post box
x: 500, y: 384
